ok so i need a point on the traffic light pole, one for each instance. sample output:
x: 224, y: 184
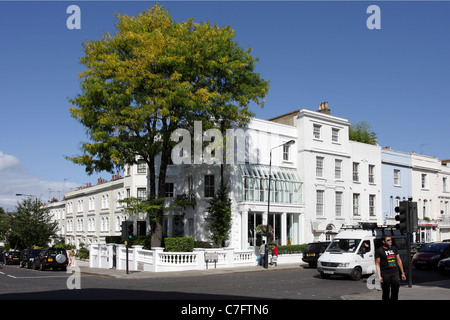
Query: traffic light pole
x: 412, y: 228
x: 407, y: 218
x: 408, y: 245
x: 126, y: 249
x: 127, y: 236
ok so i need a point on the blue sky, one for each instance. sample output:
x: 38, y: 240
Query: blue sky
x: 395, y: 78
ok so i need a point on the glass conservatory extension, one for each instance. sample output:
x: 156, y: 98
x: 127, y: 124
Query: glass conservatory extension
x: 285, y: 198
x: 285, y: 185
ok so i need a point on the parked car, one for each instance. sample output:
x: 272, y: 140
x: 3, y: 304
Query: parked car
x: 430, y: 254
x: 13, y: 257
x: 444, y: 266
x: 51, y: 258
x: 313, y: 251
x: 415, y: 247
x: 27, y: 257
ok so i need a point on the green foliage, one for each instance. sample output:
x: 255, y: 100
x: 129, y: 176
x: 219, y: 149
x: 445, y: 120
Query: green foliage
x: 4, y: 227
x: 220, y: 216
x: 154, y: 74
x: 153, y: 207
x: 291, y: 249
x: 30, y: 225
x: 64, y: 246
x: 362, y: 132
x: 144, y: 241
x: 152, y: 77
x: 83, y: 253
x: 113, y: 239
x: 180, y: 244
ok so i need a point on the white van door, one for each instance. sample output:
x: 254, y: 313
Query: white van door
x: 365, y: 257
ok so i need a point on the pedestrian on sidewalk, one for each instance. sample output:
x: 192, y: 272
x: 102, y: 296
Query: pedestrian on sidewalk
x: 262, y: 252
x: 389, y: 265
x: 71, y: 258
x: 274, y: 255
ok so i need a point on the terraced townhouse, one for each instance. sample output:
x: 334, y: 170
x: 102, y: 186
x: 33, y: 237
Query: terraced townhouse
x: 319, y: 182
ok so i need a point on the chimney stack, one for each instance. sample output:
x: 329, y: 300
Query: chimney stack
x: 323, y: 108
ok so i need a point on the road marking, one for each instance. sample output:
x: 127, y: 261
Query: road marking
x: 41, y: 277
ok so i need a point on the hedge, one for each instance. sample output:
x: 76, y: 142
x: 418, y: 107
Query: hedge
x: 291, y: 249
x: 180, y: 244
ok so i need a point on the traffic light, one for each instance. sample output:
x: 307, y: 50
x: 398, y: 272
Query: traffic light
x: 130, y: 230
x: 127, y: 231
x: 402, y: 217
x: 412, y: 219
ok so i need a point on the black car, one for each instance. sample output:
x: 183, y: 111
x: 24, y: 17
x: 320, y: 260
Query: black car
x: 444, y: 266
x: 27, y: 257
x: 51, y: 258
x: 313, y: 251
x: 13, y: 257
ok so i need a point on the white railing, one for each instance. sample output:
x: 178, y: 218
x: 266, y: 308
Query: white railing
x: 102, y: 256
x: 156, y: 260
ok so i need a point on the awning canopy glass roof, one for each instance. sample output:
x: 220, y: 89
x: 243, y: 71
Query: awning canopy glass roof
x: 260, y: 171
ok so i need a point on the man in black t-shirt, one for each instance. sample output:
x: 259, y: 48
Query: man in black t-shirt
x: 389, y: 263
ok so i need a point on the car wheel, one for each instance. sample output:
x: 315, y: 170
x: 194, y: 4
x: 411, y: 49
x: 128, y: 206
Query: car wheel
x: 356, y: 274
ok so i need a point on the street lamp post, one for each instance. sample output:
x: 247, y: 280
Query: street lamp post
x: 266, y: 250
x: 35, y: 213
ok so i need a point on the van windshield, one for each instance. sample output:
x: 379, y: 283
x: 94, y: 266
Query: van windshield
x: 344, y: 245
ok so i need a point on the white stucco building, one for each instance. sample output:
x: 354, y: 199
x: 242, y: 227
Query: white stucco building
x: 318, y: 184
x: 341, y: 178
x: 93, y: 212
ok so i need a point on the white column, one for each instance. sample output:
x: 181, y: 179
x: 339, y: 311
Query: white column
x: 244, y: 230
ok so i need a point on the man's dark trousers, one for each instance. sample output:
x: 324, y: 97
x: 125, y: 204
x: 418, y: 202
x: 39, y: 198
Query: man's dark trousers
x: 390, y: 286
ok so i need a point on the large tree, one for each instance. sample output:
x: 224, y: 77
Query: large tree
x: 153, y: 76
x: 30, y: 225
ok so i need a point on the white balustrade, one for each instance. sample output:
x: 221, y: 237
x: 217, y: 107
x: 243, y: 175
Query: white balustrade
x: 156, y: 260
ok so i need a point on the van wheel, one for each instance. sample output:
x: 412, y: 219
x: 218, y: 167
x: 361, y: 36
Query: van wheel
x: 356, y: 274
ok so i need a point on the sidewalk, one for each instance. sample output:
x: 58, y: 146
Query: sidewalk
x: 439, y: 290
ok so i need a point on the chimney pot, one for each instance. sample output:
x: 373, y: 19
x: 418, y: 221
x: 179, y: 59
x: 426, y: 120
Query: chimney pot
x: 323, y: 108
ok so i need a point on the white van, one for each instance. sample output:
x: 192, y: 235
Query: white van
x: 352, y: 252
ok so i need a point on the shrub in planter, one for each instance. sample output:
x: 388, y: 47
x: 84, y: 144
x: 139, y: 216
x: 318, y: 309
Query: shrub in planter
x: 83, y: 253
x: 180, y: 244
